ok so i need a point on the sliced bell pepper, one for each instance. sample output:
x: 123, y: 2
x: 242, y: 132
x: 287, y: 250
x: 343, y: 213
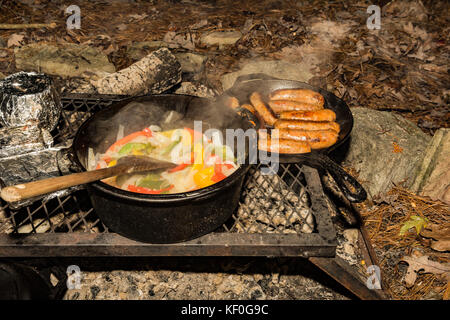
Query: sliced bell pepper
x: 171, y: 146
x: 153, y: 182
x: 131, y: 148
x: 137, y: 189
x: 112, y: 163
x: 202, y: 178
x: 218, y: 171
x: 107, y: 159
x: 218, y: 176
x: 146, y: 132
x: 179, y: 167
x: 194, y: 134
x: 198, y: 156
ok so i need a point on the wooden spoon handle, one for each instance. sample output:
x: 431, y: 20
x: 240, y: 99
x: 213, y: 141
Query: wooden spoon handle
x: 37, y: 188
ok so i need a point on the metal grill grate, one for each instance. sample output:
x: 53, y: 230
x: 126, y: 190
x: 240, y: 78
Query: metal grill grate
x: 287, y: 206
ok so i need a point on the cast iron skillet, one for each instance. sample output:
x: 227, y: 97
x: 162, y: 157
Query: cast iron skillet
x: 264, y: 84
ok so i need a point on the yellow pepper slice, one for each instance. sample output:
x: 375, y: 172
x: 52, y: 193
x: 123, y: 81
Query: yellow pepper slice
x: 167, y: 133
x: 202, y: 178
x: 198, y: 156
x: 112, y: 163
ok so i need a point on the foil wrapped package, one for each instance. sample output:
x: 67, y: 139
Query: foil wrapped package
x: 20, y: 140
x: 37, y: 165
x: 29, y: 98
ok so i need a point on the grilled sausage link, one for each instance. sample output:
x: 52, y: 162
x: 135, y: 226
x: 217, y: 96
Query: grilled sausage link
x: 247, y: 111
x: 300, y: 95
x: 316, y: 139
x: 232, y: 102
x: 279, y: 106
x: 319, y: 115
x: 283, y: 146
x: 249, y: 107
x: 262, y: 109
x: 306, y: 125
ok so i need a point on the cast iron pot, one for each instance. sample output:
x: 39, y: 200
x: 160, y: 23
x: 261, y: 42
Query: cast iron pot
x: 159, y: 218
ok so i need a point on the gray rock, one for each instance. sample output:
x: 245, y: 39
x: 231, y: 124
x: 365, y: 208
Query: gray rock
x: 191, y: 62
x: 433, y: 175
x: 70, y: 60
x: 2, y: 43
x: 275, y: 68
x: 385, y: 149
x: 221, y: 38
x: 138, y: 50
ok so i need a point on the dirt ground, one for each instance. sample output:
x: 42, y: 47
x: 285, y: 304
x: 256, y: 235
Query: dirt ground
x: 401, y: 68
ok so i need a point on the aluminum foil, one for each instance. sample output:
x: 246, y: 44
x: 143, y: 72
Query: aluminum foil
x: 24, y: 139
x: 29, y: 98
x: 37, y: 165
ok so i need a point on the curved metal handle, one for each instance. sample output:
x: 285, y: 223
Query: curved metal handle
x: 342, y: 178
x: 252, y: 76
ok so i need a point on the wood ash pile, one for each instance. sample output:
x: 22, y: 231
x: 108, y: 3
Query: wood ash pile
x: 269, y: 205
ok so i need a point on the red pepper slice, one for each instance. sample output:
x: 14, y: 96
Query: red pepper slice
x: 228, y: 166
x: 137, y: 189
x: 147, y: 132
x: 220, y: 166
x: 218, y: 174
x: 192, y: 132
x: 128, y: 138
x: 179, y: 167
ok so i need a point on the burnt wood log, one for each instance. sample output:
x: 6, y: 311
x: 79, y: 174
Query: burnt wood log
x: 155, y: 73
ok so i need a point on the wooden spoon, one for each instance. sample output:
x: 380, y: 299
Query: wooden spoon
x: 125, y: 165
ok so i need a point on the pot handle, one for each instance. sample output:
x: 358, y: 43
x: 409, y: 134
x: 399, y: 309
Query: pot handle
x: 341, y: 177
x: 252, y: 76
x: 75, y: 166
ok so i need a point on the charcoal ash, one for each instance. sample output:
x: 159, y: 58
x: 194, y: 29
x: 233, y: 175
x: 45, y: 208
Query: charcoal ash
x: 24, y: 83
x: 269, y: 205
x: 29, y: 98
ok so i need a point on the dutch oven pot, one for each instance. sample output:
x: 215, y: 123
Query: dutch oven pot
x: 159, y: 218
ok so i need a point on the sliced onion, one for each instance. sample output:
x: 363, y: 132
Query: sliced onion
x: 120, y: 132
x: 176, y: 155
x: 154, y: 128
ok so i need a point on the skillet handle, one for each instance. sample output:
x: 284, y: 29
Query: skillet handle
x: 341, y: 177
x: 253, y: 76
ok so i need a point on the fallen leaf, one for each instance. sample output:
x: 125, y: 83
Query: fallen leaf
x: 440, y: 235
x: 175, y: 40
x: 418, y: 262
x: 122, y: 27
x: 199, y: 24
x: 15, y: 40
x: 138, y: 17
x: 413, y: 222
x: 397, y: 148
x: 446, y: 295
